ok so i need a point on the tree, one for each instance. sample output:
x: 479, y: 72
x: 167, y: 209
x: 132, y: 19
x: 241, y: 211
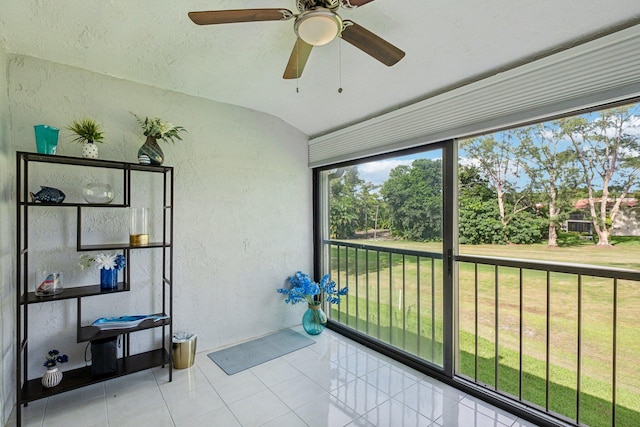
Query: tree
x: 479, y: 219
x: 497, y: 161
x: 413, y: 195
x: 371, y: 207
x: 354, y: 204
x: 548, y: 161
x: 607, y: 150
x: 343, y: 202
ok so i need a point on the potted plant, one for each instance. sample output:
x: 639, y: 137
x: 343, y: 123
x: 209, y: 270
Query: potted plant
x: 88, y: 133
x: 154, y: 129
x: 303, y: 289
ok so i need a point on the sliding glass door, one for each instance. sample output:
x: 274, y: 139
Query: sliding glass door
x: 382, y: 233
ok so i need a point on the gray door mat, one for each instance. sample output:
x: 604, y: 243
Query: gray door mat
x: 252, y: 353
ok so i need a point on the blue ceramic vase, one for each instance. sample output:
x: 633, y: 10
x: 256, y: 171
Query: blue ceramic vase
x: 108, y: 279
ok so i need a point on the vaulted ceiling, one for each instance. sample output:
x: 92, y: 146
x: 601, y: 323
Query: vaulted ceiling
x: 447, y: 43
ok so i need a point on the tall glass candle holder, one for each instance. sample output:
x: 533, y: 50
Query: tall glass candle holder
x: 139, y: 231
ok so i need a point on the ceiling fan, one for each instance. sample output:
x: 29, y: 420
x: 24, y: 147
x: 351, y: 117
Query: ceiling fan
x: 317, y: 24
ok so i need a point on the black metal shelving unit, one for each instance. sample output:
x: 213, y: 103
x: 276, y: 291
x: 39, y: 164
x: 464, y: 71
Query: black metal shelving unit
x: 30, y: 390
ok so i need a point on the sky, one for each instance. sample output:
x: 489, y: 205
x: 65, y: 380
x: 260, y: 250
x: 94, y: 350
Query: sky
x: 377, y: 172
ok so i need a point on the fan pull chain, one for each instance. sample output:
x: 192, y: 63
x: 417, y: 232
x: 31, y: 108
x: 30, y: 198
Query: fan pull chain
x: 340, y: 65
x: 297, y: 68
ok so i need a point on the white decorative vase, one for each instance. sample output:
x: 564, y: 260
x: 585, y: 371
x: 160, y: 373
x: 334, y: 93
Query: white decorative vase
x: 51, y: 378
x: 89, y: 150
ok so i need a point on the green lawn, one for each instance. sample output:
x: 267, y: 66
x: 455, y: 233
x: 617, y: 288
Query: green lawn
x: 400, y: 299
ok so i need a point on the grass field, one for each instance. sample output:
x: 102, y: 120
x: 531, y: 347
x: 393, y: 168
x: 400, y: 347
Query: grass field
x: 404, y: 309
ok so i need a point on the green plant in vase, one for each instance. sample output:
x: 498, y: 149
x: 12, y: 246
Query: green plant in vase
x: 88, y: 133
x: 154, y: 129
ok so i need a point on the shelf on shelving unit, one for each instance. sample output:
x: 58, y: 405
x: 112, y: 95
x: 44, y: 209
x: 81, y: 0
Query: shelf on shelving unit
x: 92, y: 333
x: 74, y: 292
x: 81, y: 377
x: 80, y: 161
x: 73, y: 205
x: 116, y: 246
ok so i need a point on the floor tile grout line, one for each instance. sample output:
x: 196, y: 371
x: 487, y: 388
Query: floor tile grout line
x: 291, y: 410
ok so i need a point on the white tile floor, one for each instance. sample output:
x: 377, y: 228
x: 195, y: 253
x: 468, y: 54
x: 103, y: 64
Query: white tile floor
x: 334, y: 382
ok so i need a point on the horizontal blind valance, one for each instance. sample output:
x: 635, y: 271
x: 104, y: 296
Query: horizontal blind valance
x: 603, y: 70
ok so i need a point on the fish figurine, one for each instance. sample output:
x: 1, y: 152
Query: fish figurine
x: 48, y: 195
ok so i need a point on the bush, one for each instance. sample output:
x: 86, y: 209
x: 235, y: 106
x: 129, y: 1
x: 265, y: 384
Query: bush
x: 479, y: 223
x: 527, y: 229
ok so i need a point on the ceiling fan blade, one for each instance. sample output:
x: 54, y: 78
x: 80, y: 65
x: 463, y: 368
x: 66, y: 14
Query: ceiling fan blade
x: 297, y: 60
x: 242, y: 15
x: 352, y: 4
x: 371, y: 44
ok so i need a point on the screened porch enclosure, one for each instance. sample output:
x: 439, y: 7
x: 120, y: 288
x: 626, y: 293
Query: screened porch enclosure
x: 482, y: 302
x: 455, y: 264
x: 546, y: 353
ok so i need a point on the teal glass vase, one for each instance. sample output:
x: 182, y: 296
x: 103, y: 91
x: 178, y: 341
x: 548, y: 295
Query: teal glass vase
x: 46, y: 139
x: 314, y: 320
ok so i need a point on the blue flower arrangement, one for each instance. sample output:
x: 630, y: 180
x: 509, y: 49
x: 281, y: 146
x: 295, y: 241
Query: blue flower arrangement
x: 305, y: 289
x: 54, y: 357
x: 120, y: 262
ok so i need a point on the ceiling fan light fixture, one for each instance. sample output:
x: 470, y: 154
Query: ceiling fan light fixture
x: 318, y: 27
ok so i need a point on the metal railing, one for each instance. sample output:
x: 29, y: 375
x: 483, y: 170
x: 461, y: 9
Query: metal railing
x: 561, y: 325
x: 395, y: 295
x: 556, y: 338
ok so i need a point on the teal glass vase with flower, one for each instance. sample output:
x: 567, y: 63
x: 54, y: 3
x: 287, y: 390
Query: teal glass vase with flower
x: 303, y: 289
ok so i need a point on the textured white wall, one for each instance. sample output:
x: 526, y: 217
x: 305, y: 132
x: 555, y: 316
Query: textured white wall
x: 243, y: 217
x: 7, y: 294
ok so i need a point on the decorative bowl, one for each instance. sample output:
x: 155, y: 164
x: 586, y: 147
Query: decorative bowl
x: 97, y: 193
